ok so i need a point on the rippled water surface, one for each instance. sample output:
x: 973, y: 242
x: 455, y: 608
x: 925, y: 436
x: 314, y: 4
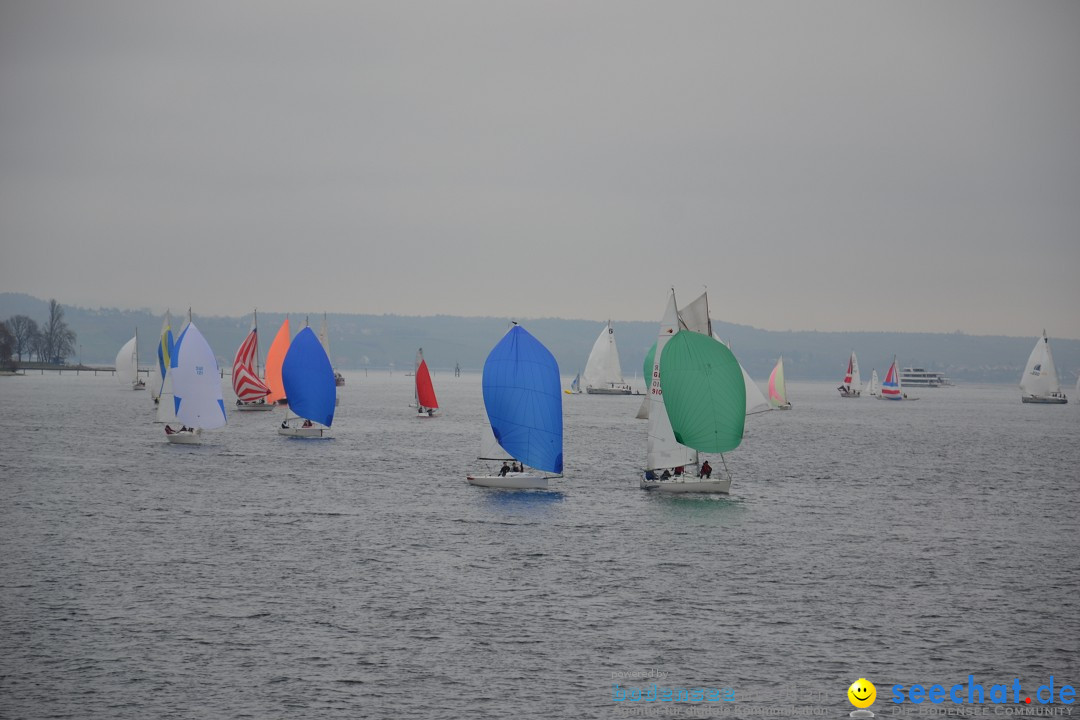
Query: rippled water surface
x: 265, y: 577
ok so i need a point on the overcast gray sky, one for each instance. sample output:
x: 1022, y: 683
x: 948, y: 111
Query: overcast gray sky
x: 857, y: 165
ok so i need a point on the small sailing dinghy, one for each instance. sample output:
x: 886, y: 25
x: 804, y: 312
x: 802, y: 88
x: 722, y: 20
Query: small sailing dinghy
x: 523, y: 402
x: 250, y: 390
x: 575, y: 386
x: 851, y: 387
x: 603, y: 373
x: 308, y: 381
x: 127, y: 364
x: 697, y: 402
x: 426, y: 403
x: 196, y: 388
x: 778, y: 388
x: 1039, y: 384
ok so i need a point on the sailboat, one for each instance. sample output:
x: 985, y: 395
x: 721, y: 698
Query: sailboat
x: 166, y: 407
x: 575, y: 386
x: 127, y: 364
x: 850, y: 388
x: 196, y: 387
x: 324, y: 338
x: 309, y: 384
x: 250, y: 390
x: 892, y: 388
x: 697, y: 401
x: 603, y: 374
x: 1039, y: 384
x: 778, y: 388
x: 275, y: 356
x: 872, y: 384
x: 426, y: 403
x: 161, y: 368
x: 523, y: 402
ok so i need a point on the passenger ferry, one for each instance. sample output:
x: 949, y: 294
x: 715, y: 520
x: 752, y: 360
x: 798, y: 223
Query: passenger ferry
x: 920, y: 377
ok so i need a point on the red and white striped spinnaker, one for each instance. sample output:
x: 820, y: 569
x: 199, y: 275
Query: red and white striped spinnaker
x: 245, y: 380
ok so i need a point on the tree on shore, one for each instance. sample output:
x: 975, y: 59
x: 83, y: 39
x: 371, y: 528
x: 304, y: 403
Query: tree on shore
x: 58, y: 340
x: 23, y: 330
x: 7, y: 347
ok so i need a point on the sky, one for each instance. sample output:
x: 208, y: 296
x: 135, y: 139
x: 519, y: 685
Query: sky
x: 906, y: 166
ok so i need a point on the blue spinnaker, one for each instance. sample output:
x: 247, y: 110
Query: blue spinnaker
x: 523, y: 398
x: 308, y: 378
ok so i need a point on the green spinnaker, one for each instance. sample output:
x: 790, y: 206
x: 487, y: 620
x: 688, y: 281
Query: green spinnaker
x: 647, y: 366
x: 704, y: 392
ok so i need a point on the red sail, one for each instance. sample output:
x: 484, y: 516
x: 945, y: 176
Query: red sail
x: 425, y: 393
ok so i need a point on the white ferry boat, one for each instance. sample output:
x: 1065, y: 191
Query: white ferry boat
x: 920, y: 377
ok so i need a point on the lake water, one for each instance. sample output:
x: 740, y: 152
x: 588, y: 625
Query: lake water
x: 263, y: 577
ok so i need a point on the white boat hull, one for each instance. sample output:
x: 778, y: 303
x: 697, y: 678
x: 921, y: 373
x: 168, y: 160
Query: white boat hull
x: 688, y: 485
x: 185, y: 437
x: 302, y: 432
x: 1044, y: 400
x: 510, y: 481
x: 254, y: 407
x: 608, y: 390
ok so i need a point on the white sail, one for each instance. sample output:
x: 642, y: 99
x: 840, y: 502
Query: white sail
x: 603, y: 371
x: 662, y: 450
x: 872, y: 384
x: 1040, y: 378
x: 166, y: 409
x: 197, y: 382
x: 324, y: 336
x: 695, y: 316
x: 755, y: 399
x: 127, y: 364
x: 490, y: 449
x: 856, y: 379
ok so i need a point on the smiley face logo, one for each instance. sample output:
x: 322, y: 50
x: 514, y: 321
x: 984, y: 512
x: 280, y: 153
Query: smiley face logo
x: 862, y: 693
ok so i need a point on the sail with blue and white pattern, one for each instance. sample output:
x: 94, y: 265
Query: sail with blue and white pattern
x: 196, y: 381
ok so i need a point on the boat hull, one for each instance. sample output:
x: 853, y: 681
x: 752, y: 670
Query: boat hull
x: 1044, y: 400
x: 254, y: 407
x: 608, y: 391
x: 510, y: 481
x: 184, y: 437
x: 851, y: 394
x: 302, y: 432
x: 688, y: 485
